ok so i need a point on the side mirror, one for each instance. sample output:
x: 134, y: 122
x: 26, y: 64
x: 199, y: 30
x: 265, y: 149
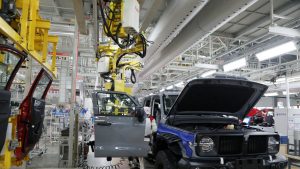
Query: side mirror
x: 140, y: 114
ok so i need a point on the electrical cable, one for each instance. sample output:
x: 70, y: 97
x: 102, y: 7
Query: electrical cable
x: 126, y: 42
x: 132, y: 76
x: 107, y: 27
x: 119, y: 59
x: 142, y: 55
x: 115, y: 37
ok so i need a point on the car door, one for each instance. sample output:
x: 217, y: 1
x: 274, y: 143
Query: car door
x: 155, y: 108
x: 147, y: 105
x: 32, y: 113
x: 10, y: 63
x: 119, y: 125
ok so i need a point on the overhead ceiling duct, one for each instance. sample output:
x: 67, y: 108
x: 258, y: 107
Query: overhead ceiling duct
x: 214, y: 15
x: 177, y: 14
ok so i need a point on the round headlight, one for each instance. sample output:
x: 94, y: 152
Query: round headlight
x: 273, y: 145
x: 206, y: 144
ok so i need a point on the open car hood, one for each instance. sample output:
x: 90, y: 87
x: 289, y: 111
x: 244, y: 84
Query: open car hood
x: 218, y: 96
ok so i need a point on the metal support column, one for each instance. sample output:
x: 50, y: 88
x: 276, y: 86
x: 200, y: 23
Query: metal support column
x: 288, y: 104
x: 272, y: 12
x: 96, y: 24
x: 62, y: 81
x: 96, y: 34
x: 82, y: 93
x: 71, y: 157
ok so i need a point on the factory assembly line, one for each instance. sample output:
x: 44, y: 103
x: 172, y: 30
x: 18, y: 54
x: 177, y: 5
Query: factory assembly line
x: 156, y: 84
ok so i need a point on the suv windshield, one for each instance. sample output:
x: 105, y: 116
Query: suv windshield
x: 168, y: 101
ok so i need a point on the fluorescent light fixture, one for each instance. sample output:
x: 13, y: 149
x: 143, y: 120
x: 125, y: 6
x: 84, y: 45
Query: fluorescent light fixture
x: 206, y: 66
x: 271, y: 94
x: 170, y: 87
x: 208, y: 73
x: 282, y: 79
x: 290, y: 79
x: 291, y: 93
x: 276, y: 51
x: 283, y: 31
x: 180, y: 84
x: 162, y: 90
x: 151, y: 94
x: 235, y: 65
x: 61, y: 33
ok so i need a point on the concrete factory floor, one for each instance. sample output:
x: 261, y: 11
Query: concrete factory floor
x: 51, y: 159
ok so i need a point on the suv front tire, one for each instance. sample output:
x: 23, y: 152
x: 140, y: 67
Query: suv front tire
x: 165, y: 160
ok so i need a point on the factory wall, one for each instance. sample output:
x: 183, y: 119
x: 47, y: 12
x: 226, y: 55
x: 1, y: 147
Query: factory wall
x: 276, y: 102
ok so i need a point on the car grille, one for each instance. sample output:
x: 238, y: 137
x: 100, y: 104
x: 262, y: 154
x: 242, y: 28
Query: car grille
x: 227, y: 145
x: 230, y: 145
x: 257, y: 144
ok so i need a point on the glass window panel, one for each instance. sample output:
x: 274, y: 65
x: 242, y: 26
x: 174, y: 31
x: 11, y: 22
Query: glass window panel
x: 116, y: 104
x: 8, y: 62
x: 41, y: 87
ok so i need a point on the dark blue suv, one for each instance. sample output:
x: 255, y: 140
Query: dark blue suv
x: 204, y: 129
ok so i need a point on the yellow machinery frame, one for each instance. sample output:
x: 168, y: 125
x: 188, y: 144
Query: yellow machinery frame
x: 30, y: 34
x: 114, y: 27
x: 33, y: 37
x: 6, y: 160
x: 114, y: 54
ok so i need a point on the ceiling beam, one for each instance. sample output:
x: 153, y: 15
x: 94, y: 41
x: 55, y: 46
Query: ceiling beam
x: 175, y: 17
x: 151, y: 12
x: 80, y: 17
x: 200, y: 27
x: 291, y: 6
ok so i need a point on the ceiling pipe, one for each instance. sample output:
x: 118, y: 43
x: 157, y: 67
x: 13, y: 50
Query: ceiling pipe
x: 216, y: 14
x: 176, y: 16
x: 265, y: 37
